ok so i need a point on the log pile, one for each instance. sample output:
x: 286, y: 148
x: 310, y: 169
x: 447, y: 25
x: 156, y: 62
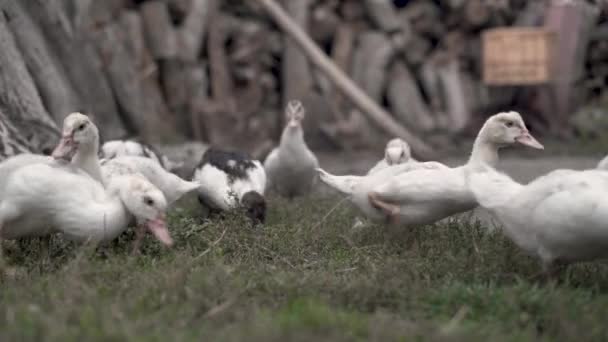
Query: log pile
x: 221, y: 70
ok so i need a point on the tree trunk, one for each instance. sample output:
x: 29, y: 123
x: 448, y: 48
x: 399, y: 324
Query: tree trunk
x: 81, y: 63
x: 57, y: 94
x: 19, y: 98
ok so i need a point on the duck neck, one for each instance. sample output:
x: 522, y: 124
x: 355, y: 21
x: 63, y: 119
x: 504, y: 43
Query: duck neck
x: 292, y: 139
x: 484, y: 152
x: 86, y: 158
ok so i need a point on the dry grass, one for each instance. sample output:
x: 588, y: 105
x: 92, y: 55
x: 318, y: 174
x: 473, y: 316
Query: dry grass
x: 296, y: 280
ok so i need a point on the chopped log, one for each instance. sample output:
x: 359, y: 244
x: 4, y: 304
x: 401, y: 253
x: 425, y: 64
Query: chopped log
x: 190, y: 34
x: 406, y: 101
x: 417, y: 50
x: 429, y: 79
x: 248, y: 44
x: 352, y: 10
x: 100, y: 13
x: 162, y: 125
x: 122, y: 72
x: 56, y: 91
x: 531, y: 15
x: 174, y: 75
x: 81, y: 64
x: 570, y: 48
x: 476, y: 13
x: 19, y: 99
x: 199, y: 89
x: 370, y: 61
x: 368, y: 106
x: 296, y: 71
x: 324, y: 22
x: 457, y: 106
x: 341, y: 54
x: 424, y: 18
x: 159, y: 31
x: 222, y: 88
x: 383, y: 14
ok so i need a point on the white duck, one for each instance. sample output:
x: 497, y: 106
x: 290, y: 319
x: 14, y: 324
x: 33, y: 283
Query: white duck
x: 172, y: 186
x: 397, y: 151
x: 561, y: 218
x: 358, y: 187
x: 603, y: 164
x: 426, y: 196
x: 290, y: 167
x: 117, y: 148
x: 79, y: 144
x: 230, y: 179
x: 43, y: 195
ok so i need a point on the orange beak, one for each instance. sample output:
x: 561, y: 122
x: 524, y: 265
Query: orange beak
x: 158, y: 227
x: 66, y: 149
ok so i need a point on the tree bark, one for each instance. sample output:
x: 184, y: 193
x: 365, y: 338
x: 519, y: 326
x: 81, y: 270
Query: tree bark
x: 81, y: 64
x: 56, y: 91
x: 19, y: 98
x: 159, y: 31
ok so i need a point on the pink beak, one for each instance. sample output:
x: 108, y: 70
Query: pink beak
x: 527, y: 139
x: 66, y: 148
x: 158, y: 227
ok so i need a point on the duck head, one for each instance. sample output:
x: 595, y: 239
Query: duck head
x: 255, y: 206
x: 508, y: 128
x: 79, y: 133
x: 397, y: 152
x: 148, y: 204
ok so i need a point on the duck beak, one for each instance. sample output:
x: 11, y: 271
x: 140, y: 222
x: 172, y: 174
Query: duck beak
x: 66, y: 148
x: 158, y: 227
x: 527, y: 139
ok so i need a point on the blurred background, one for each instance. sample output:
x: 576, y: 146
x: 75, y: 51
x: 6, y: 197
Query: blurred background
x: 220, y: 71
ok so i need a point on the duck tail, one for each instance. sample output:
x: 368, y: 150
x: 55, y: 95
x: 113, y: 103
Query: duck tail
x: 491, y: 188
x: 344, y: 184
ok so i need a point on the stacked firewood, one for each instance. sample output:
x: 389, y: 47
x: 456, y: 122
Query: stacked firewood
x: 221, y: 70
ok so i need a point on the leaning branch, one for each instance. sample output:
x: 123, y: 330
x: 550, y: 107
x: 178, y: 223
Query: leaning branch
x: 382, y: 118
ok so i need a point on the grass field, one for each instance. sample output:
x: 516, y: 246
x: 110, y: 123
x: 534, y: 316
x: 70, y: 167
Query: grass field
x: 299, y: 279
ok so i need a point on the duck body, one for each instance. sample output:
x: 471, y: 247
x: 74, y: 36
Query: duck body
x: 425, y: 196
x: 45, y: 203
x: 49, y: 197
x: 357, y: 188
x: 229, y: 179
x: 561, y: 217
x: 290, y: 167
x: 119, y: 148
x: 172, y: 186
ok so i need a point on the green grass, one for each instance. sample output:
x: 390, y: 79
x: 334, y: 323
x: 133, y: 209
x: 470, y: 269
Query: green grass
x: 296, y: 279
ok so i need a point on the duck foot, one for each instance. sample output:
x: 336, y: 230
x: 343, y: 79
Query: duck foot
x: 139, y: 235
x: 392, y: 211
x: 44, y: 243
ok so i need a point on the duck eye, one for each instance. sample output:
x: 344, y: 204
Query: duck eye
x: 148, y: 201
x: 82, y: 126
x: 509, y: 123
